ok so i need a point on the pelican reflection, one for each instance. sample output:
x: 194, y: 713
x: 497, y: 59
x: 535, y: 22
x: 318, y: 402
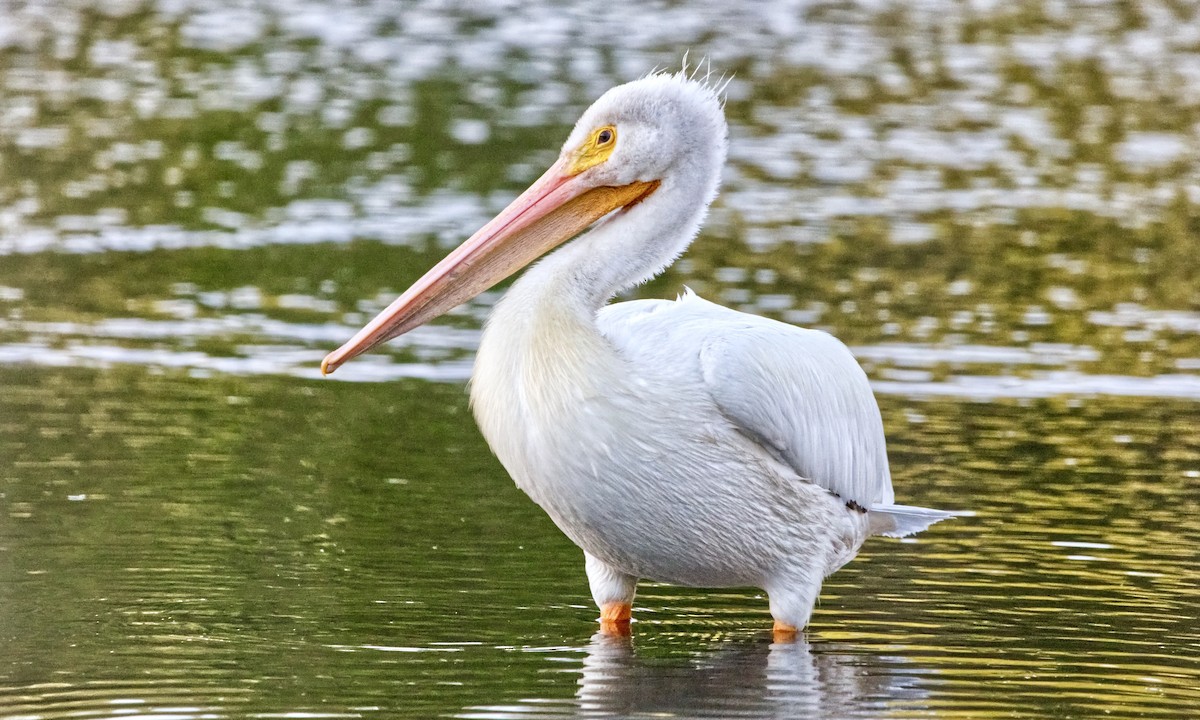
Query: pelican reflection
x: 743, y: 678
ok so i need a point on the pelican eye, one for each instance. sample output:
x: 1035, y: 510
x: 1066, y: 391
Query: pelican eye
x: 595, y: 150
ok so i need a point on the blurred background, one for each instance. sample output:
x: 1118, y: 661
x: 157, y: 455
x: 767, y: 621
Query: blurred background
x: 994, y: 204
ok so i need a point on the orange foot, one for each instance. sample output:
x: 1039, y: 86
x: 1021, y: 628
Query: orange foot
x: 614, y: 618
x: 783, y: 633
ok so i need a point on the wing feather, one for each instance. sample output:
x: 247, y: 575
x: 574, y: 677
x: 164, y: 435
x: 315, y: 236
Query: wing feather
x: 799, y: 393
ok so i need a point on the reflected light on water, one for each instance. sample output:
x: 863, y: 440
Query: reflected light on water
x: 993, y: 204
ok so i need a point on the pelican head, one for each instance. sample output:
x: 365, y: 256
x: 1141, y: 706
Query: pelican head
x: 658, y: 141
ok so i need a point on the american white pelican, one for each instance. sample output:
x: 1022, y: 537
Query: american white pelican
x: 678, y: 441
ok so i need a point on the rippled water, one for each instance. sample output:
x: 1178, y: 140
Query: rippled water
x: 995, y: 205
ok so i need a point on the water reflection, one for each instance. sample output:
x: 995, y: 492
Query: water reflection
x: 739, y: 678
x: 778, y: 680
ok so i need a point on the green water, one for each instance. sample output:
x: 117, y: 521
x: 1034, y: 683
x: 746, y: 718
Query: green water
x: 259, y: 545
x: 996, y: 208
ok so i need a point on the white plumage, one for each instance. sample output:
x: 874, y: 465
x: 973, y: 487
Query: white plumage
x: 673, y: 440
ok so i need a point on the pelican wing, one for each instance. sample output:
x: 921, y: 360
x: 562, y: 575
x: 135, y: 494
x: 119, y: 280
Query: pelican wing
x: 799, y: 393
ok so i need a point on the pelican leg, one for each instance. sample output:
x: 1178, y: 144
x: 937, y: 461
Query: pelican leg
x: 781, y: 632
x: 614, y: 619
x: 791, y: 606
x: 613, y: 591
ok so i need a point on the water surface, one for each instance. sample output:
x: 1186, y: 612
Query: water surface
x: 995, y: 207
